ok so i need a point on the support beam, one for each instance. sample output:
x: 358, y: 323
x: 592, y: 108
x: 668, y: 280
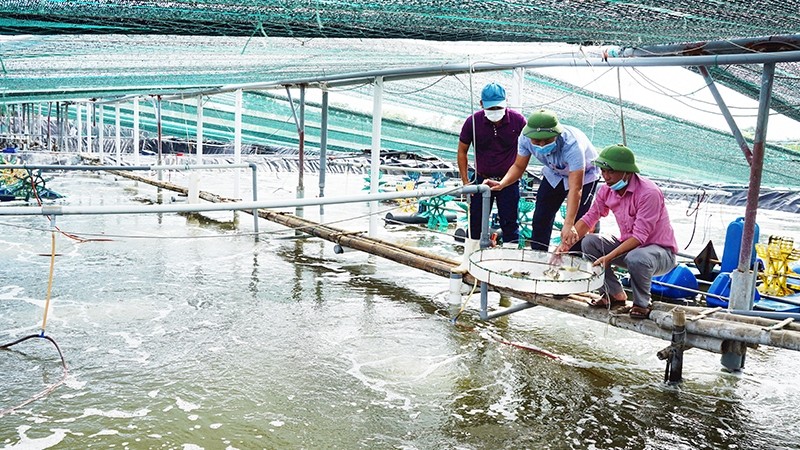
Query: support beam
x: 118, y: 134
x: 135, y: 135
x: 101, y: 142
x: 199, y: 128
x: 79, y: 117
x: 726, y: 113
x: 237, y: 139
x: 89, y: 127
x: 158, y: 134
x: 515, y: 97
x: 741, y: 281
x: 301, y: 149
x: 323, y: 148
x: 377, y: 118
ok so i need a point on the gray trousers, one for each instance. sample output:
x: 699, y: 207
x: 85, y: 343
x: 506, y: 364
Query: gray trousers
x: 642, y: 264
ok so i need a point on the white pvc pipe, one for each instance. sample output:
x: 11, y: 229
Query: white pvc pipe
x: 377, y: 116
x: 576, y: 60
x: 40, y: 124
x: 101, y: 141
x: 135, y: 137
x: 79, y: 116
x: 229, y: 206
x: 118, y: 135
x: 199, y: 149
x: 89, y: 130
x: 237, y: 141
x: 518, y: 80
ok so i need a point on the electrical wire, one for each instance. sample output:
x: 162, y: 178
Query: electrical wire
x: 46, y: 391
x: 65, y: 371
x: 694, y: 211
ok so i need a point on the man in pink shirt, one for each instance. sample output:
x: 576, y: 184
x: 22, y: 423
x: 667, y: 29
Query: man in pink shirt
x: 646, y: 246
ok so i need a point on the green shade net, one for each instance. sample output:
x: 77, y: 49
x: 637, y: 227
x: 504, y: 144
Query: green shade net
x: 588, y: 21
x: 424, y: 118
x: 111, y: 50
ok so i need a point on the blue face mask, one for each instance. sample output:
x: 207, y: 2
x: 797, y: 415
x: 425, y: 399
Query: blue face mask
x: 545, y: 149
x: 619, y: 185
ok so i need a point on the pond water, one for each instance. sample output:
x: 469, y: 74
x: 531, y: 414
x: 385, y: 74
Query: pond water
x: 182, y: 333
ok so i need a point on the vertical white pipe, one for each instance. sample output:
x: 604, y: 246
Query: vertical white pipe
x: 65, y: 130
x: 301, y: 138
x: 237, y: 141
x: 89, y: 130
x: 323, y: 149
x: 135, y: 136
x: 199, y: 148
x: 377, y: 117
x: 101, y: 134
x: 515, y: 99
x: 79, y: 116
x: 39, y: 125
x: 118, y: 135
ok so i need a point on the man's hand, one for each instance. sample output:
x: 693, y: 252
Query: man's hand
x: 604, y: 260
x: 493, y: 185
x: 569, y: 236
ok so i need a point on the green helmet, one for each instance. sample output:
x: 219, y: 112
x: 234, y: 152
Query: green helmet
x: 617, y: 157
x: 542, y: 124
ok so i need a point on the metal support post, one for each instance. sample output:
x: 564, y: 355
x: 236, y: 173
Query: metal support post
x: 323, y: 148
x: 741, y: 282
x: 673, y: 354
x: 377, y: 121
x: 486, y: 206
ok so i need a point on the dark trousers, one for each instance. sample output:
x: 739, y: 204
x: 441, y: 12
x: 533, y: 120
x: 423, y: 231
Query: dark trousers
x: 507, y: 205
x: 548, y: 203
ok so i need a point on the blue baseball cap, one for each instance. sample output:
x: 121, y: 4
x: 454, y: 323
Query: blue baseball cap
x: 493, y: 95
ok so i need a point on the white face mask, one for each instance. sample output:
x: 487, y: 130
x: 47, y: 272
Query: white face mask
x: 495, y: 115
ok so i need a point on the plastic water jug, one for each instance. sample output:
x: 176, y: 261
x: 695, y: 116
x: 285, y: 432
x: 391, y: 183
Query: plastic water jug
x: 682, y: 276
x: 722, y: 286
x: 733, y: 242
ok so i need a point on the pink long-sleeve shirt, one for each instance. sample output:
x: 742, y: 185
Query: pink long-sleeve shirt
x: 640, y: 212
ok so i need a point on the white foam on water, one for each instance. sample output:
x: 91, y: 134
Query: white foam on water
x: 185, y: 406
x: 105, y: 433
x: 26, y: 443
x: 130, y: 341
x: 73, y: 383
x: 11, y: 292
x: 22, y: 330
x: 392, y: 397
x: 192, y: 447
x: 153, y: 394
x: 505, y: 405
x: 214, y: 426
x: 115, y: 413
x: 277, y: 423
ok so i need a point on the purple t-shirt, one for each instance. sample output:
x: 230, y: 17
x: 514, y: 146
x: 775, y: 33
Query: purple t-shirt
x: 495, y: 143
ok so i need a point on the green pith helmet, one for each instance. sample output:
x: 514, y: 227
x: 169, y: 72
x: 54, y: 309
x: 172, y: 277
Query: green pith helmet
x: 617, y: 157
x: 542, y: 124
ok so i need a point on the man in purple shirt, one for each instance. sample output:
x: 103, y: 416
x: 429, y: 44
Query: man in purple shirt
x: 646, y: 246
x: 493, y: 132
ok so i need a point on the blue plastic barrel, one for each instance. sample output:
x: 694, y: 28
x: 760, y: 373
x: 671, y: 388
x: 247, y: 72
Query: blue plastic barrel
x: 682, y: 276
x: 733, y: 242
x: 722, y: 286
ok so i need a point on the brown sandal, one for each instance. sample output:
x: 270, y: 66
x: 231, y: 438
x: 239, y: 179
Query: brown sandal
x: 603, y: 302
x: 637, y: 312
